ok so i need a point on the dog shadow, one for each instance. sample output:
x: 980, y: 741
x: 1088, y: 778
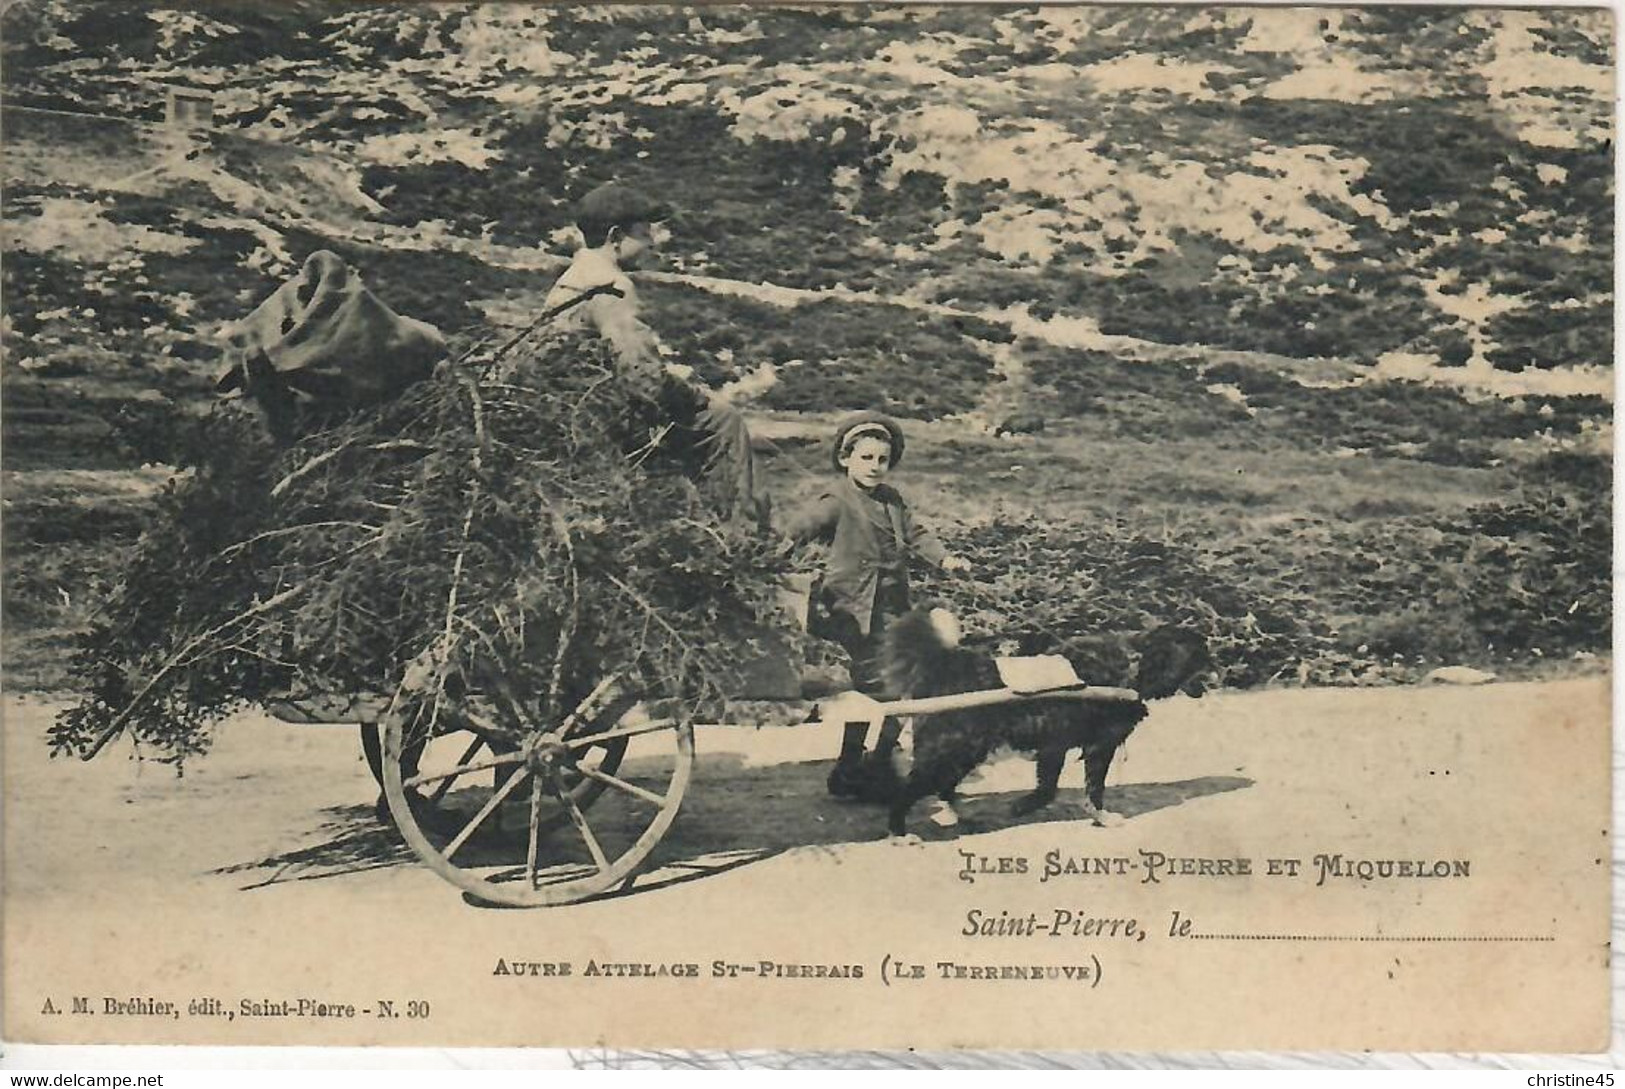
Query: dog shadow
x: 991, y: 812
x: 734, y: 814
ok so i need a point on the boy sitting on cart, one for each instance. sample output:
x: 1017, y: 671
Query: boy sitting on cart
x: 704, y: 435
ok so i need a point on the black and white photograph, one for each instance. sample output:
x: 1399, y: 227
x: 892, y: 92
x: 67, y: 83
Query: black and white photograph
x: 807, y: 527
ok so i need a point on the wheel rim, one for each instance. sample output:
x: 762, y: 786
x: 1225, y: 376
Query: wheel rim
x: 487, y: 827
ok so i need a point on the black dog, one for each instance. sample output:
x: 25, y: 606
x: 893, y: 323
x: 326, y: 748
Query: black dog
x: 921, y: 658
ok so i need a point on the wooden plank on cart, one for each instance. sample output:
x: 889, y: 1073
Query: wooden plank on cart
x: 327, y: 708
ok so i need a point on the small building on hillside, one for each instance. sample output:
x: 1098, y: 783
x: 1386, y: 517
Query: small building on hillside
x: 188, y: 108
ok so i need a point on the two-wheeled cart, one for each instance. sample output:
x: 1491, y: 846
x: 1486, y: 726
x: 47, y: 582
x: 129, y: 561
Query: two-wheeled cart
x: 540, y: 813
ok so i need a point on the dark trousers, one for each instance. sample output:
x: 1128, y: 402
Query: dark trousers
x: 865, y: 650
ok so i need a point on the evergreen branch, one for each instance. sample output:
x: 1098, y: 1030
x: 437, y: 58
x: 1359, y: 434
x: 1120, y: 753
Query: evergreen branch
x: 568, y: 630
x: 687, y: 649
x: 471, y: 572
x: 270, y: 604
x: 326, y: 456
x: 541, y: 319
x: 286, y: 531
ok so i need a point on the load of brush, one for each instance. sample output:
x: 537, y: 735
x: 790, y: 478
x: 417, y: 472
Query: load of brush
x: 527, y: 528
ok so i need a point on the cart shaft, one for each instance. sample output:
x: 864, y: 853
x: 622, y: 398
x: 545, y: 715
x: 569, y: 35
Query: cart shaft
x: 855, y: 706
x: 961, y: 701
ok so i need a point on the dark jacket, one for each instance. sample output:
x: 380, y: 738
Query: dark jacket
x: 871, y: 535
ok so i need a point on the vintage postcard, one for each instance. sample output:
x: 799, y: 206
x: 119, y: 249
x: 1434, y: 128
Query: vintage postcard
x: 817, y: 527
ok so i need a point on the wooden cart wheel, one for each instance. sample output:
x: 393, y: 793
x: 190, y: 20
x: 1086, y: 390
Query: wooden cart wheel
x: 472, y: 745
x: 492, y: 809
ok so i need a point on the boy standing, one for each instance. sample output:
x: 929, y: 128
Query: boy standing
x: 872, y: 536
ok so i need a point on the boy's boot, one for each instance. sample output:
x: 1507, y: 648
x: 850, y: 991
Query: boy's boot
x: 879, y: 778
x: 846, y: 778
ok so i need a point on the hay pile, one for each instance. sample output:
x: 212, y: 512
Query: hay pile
x: 520, y: 530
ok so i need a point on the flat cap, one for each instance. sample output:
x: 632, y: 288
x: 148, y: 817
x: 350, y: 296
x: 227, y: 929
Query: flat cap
x: 877, y: 422
x: 616, y: 204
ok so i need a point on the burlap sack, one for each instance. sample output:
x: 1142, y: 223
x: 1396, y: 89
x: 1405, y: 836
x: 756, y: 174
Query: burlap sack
x: 330, y: 340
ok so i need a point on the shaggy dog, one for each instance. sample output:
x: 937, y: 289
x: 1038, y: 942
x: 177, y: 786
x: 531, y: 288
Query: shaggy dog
x: 921, y: 658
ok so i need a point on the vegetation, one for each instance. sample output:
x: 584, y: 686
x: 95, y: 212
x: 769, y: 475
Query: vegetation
x: 512, y: 531
x: 1254, y: 475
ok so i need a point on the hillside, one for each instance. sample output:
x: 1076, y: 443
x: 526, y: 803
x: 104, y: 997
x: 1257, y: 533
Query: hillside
x: 1311, y: 282
x: 1306, y: 182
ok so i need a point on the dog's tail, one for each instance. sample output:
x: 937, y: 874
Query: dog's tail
x: 913, y: 650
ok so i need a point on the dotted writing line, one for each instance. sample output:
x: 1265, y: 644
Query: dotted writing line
x: 1361, y: 938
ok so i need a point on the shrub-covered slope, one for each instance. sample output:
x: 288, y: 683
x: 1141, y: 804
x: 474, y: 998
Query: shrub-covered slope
x: 1308, y: 182
x: 1315, y: 298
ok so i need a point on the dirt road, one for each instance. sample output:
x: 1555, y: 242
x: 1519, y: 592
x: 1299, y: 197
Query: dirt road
x: 263, y: 872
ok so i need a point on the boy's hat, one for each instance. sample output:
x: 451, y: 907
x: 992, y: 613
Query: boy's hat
x: 879, y: 423
x: 616, y: 204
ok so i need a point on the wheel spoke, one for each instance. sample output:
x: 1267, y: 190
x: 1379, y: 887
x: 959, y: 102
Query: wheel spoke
x: 621, y: 784
x: 484, y: 724
x: 509, y: 701
x: 464, y: 769
x: 560, y: 768
x: 630, y: 731
x: 486, y: 810
x: 445, y: 785
x: 578, y: 819
x: 590, y: 704
x: 535, y: 831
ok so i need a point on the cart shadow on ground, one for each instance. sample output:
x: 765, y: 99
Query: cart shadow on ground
x: 792, y: 811
x: 734, y: 814
x: 351, y: 839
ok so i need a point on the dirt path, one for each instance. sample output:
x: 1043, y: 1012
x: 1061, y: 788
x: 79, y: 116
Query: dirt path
x: 264, y: 870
